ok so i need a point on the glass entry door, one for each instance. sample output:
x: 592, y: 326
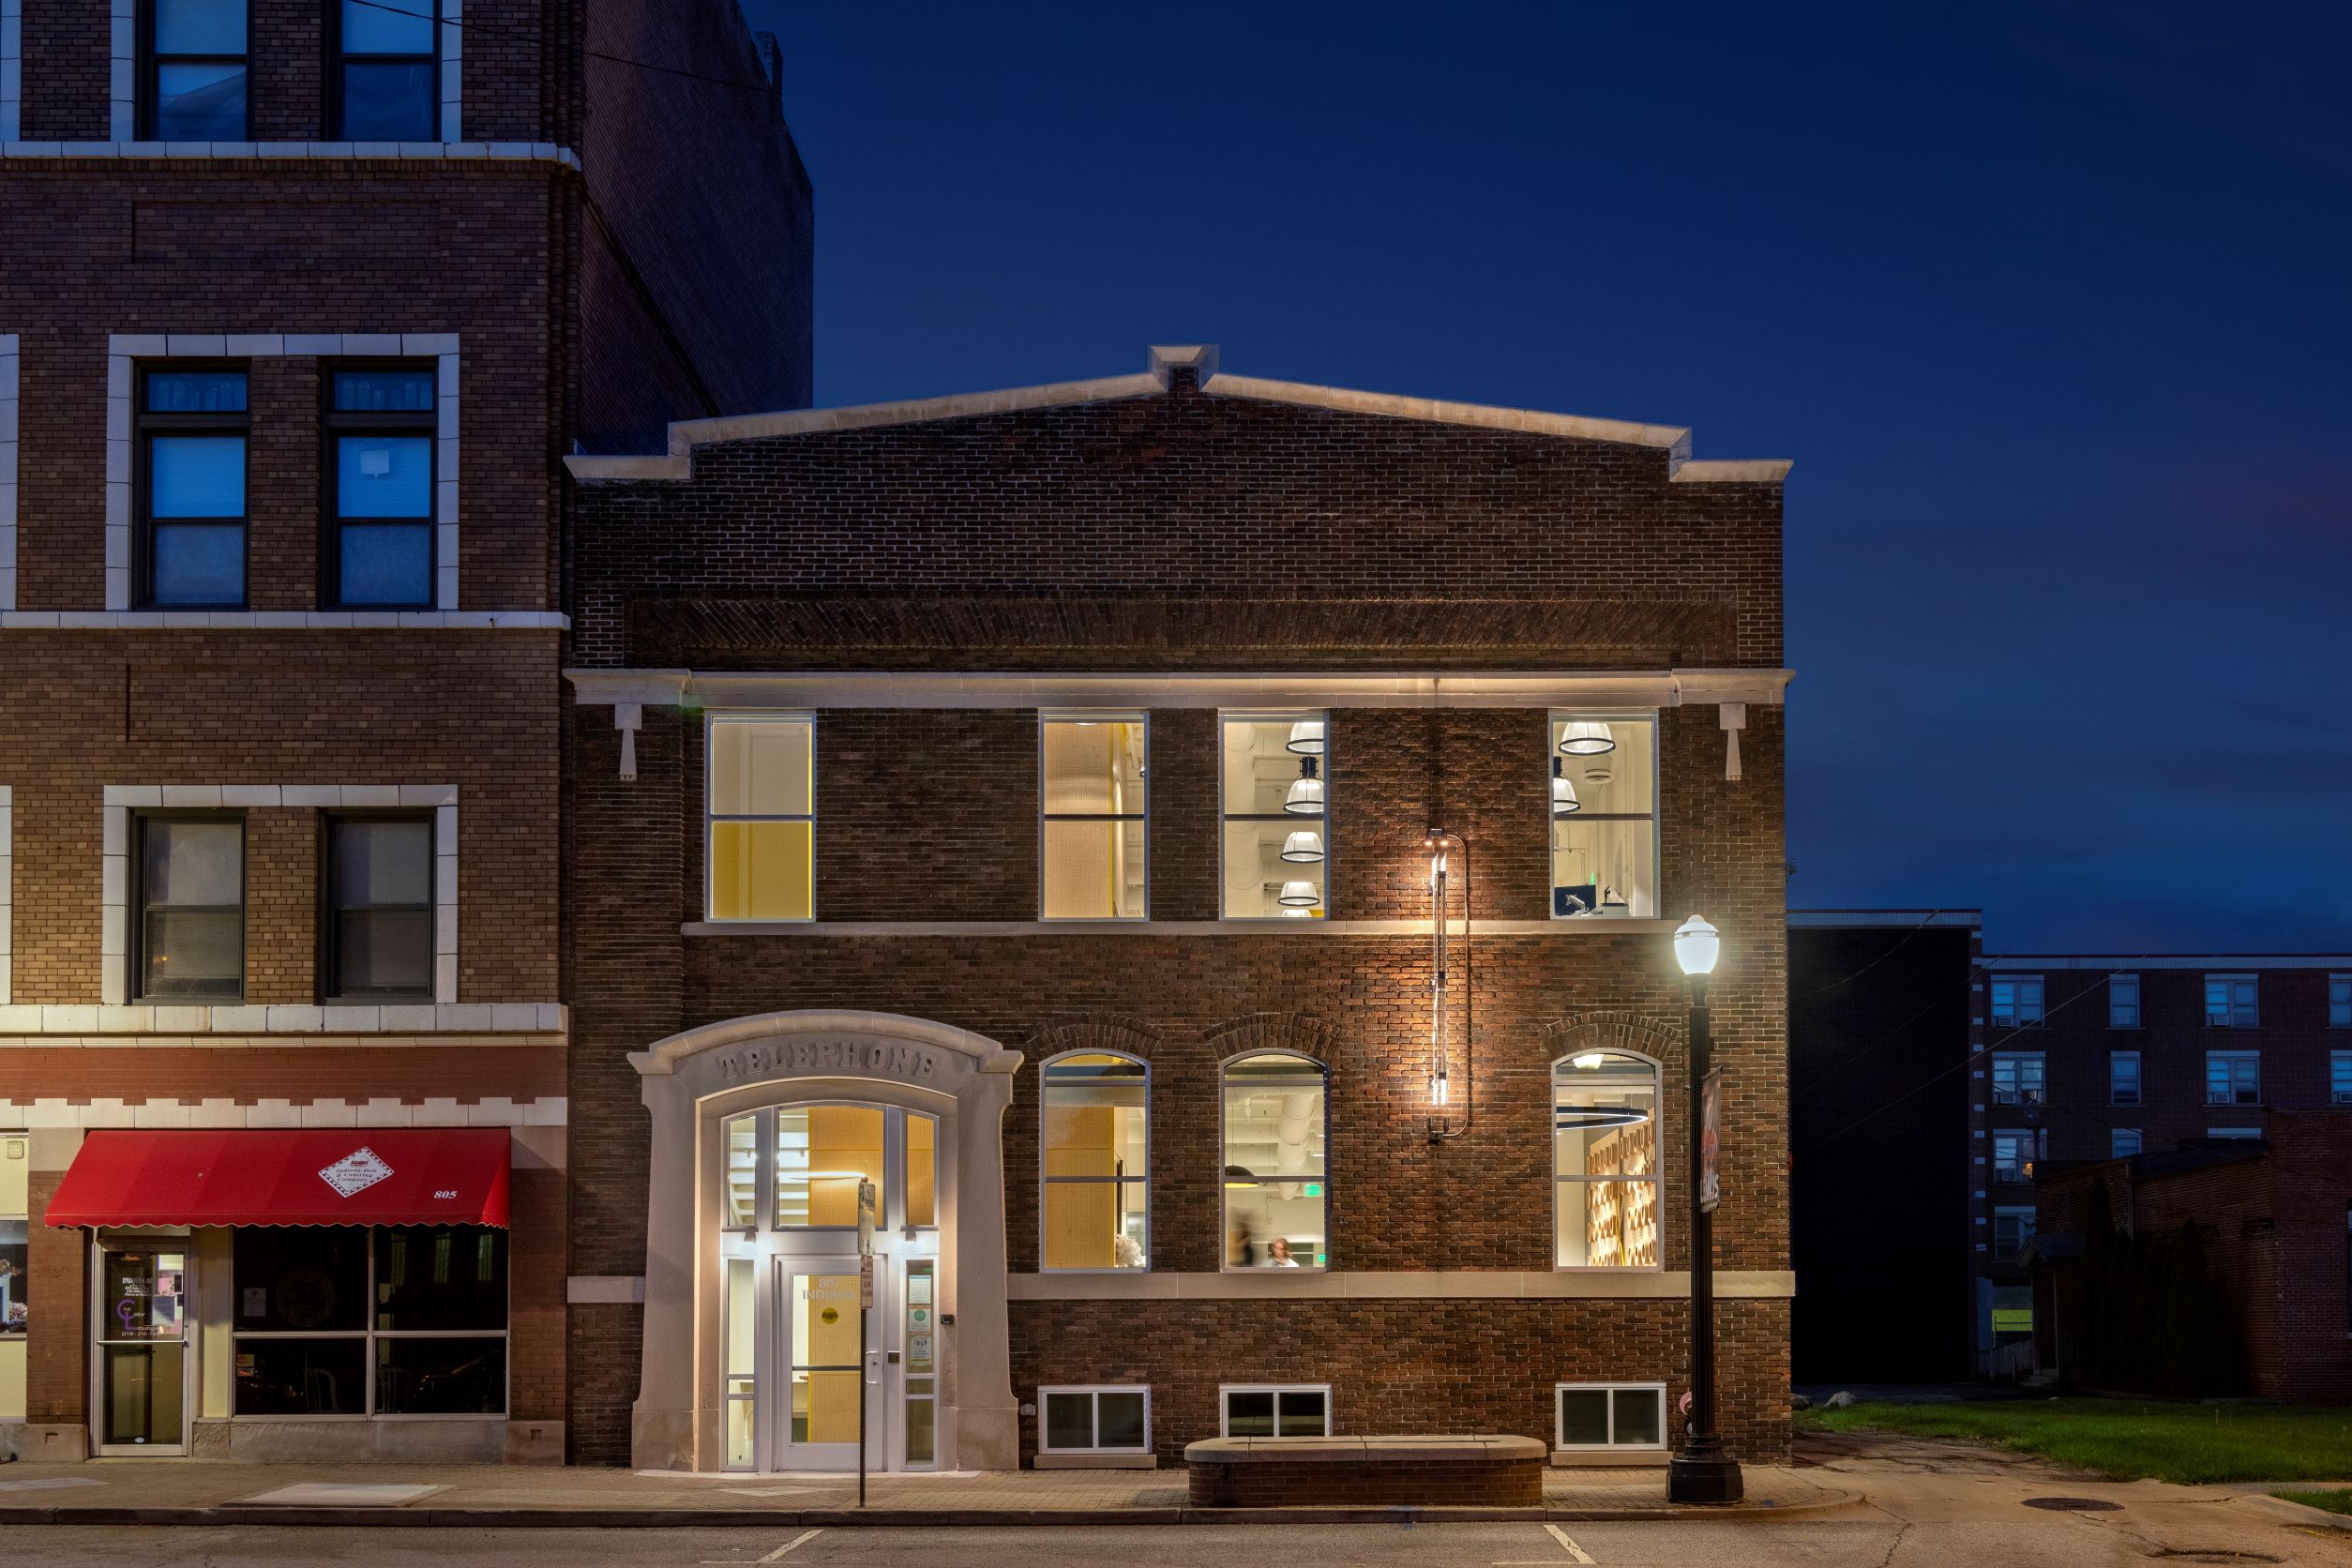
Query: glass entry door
x: 141, y: 1367
x: 826, y: 1367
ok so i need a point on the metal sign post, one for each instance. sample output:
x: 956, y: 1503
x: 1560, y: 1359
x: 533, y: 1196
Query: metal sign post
x: 864, y: 1305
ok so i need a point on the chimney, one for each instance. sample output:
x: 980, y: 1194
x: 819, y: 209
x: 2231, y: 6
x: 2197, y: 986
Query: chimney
x: 772, y: 62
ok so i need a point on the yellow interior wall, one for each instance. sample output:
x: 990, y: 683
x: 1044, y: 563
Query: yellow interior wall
x: 922, y: 1171
x: 842, y: 1138
x: 760, y: 871
x: 215, y: 1315
x: 1081, y: 1218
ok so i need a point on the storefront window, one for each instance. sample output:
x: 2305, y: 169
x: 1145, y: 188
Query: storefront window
x: 1277, y: 846
x: 761, y: 817
x: 1091, y: 791
x: 1604, y: 816
x: 1097, y: 1158
x: 15, y: 1251
x: 1276, y: 1195
x: 1605, y: 1160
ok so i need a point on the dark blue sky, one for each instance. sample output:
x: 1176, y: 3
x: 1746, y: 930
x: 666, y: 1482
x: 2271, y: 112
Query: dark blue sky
x: 2049, y: 303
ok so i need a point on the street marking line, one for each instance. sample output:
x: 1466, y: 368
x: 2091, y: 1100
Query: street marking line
x: 777, y: 1554
x: 1574, y: 1550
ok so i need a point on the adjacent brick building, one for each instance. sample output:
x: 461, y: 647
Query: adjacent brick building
x: 1024, y: 801
x: 302, y: 306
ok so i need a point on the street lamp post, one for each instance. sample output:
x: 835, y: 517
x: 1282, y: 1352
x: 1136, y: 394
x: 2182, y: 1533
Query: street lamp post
x: 1702, y: 1471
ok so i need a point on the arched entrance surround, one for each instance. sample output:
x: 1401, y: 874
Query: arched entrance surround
x: 693, y: 1081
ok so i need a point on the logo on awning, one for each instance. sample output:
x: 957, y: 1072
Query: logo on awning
x: 356, y: 1172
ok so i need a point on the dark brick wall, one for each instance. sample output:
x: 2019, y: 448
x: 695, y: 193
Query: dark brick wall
x: 56, y: 1330
x: 67, y: 71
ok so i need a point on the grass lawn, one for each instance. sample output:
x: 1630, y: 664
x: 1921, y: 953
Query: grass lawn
x: 2338, y: 1501
x: 2129, y: 1438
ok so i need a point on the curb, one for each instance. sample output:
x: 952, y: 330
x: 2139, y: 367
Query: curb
x: 2296, y: 1512
x: 781, y: 1518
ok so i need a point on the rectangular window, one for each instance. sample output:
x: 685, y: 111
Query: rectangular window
x: 193, y: 426
x: 1604, y: 816
x: 1109, y: 1420
x: 2014, y: 1151
x: 2018, y: 1080
x: 2340, y: 1077
x: 380, y: 439
x: 191, y: 903
x: 741, y: 1419
x: 2016, y: 1001
x: 1274, y: 1410
x: 1276, y: 849
x: 761, y: 817
x: 2123, y: 1001
x: 2122, y: 1141
x: 387, y: 83
x: 15, y: 1250
x: 192, y: 61
x: 380, y: 909
x: 2250, y: 1132
x: 2011, y: 1230
x: 2233, y: 1078
x: 2340, y: 1002
x: 2123, y: 1077
x: 822, y: 1154
x: 1610, y: 1415
x: 1097, y: 1156
x: 354, y: 1320
x: 2230, y: 1002
x: 2012, y: 1309
x: 1093, y: 838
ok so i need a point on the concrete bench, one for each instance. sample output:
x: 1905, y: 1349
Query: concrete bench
x: 1266, y: 1473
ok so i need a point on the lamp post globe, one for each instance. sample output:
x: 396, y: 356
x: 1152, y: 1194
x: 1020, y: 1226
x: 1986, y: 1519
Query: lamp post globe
x: 1697, y: 946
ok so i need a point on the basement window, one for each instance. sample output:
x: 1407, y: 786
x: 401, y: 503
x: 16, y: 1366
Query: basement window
x: 1610, y: 1415
x: 1110, y: 1419
x: 1274, y: 1410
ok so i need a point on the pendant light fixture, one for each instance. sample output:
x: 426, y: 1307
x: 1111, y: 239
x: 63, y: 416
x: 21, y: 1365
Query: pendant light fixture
x: 1303, y: 848
x: 1564, y: 793
x: 1307, y: 738
x: 1299, y: 895
x: 1305, y: 798
x: 1584, y: 738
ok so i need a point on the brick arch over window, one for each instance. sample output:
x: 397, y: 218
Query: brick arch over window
x: 1643, y: 1035
x: 1291, y: 1031
x: 1092, y: 1032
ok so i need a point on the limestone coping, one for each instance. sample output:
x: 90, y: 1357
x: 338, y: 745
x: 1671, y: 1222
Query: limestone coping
x: 1388, y: 1450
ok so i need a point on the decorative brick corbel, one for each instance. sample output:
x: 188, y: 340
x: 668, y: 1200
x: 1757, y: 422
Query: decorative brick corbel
x: 1734, y: 719
x: 628, y: 718
x: 628, y: 693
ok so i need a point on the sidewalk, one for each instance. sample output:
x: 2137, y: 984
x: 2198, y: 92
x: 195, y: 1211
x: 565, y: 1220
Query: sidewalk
x: 180, y: 1492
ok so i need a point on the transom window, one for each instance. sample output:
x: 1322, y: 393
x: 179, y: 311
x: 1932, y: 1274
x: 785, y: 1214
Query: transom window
x: 2231, y: 1001
x: 1276, y: 841
x: 2018, y: 1080
x: 379, y: 939
x: 195, y: 72
x: 1093, y: 836
x: 797, y: 1167
x: 761, y: 817
x: 2233, y: 1078
x: 2016, y: 1001
x: 380, y: 435
x: 2123, y: 1001
x: 386, y: 86
x: 1276, y: 1198
x: 2123, y: 1077
x: 190, y: 898
x: 1604, y: 815
x: 1274, y: 1410
x: 1097, y: 1158
x: 1610, y: 1415
x: 193, y: 429
x: 1109, y: 1420
x: 1604, y: 1161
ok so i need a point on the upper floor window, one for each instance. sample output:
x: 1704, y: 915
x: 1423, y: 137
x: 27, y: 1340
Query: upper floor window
x: 2122, y: 1141
x: 1604, y: 816
x: 193, y: 426
x: 761, y: 817
x: 1277, y: 850
x: 2230, y: 1002
x: 1093, y: 836
x: 1096, y: 1151
x: 2123, y: 1001
x: 1604, y: 1161
x: 1276, y: 1199
x: 190, y: 946
x: 2123, y: 1077
x: 2340, y: 1002
x: 2011, y: 1230
x: 2015, y: 1150
x: 379, y: 939
x: 2018, y: 1080
x: 2233, y: 1078
x: 380, y: 435
x: 2340, y: 1077
x: 386, y: 85
x: 193, y: 60
x: 2016, y: 1001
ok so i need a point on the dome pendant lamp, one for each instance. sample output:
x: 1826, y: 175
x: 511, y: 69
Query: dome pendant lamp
x: 1298, y: 895
x: 1307, y: 738
x: 1305, y: 798
x: 1586, y: 737
x: 1303, y: 848
x: 1564, y: 800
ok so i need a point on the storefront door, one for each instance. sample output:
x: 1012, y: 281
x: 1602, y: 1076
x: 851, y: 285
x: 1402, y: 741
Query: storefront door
x: 140, y: 1373
x: 829, y: 1367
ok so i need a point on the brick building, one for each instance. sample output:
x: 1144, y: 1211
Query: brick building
x: 1024, y: 801
x: 303, y: 305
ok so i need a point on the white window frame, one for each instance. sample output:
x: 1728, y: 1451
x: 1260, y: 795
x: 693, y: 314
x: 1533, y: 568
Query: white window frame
x: 2016, y: 983
x: 1225, y: 1218
x: 1094, y: 1406
x: 2016, y: 1060
x: 2140, y: 1079
x: 2115, y: 1137
x: 1075, y: 716
x: 2233, y: 1058
x: 1225, y: 1392
x: 2340, y: 1002
x: 1654, y: 815
x: 2139, y: 1016
x: 2340, y: 1077
x: 2229, y: 1018
x: 1559, y: 1424
x: 2033, y: 1143
x: 712, y: 816
x: 1656, y: 1179
x: 1045, y: 1103
x: 1321, y: 825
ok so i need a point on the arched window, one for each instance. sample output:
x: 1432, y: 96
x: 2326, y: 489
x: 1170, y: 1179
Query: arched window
x: 1096, y: 1158
x: 1277, y: 1196
x: 1604, y: 1161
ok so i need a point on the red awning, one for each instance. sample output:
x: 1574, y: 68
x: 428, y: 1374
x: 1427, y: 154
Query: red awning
x: 340, y: 1176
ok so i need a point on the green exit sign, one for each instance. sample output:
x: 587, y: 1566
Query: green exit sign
x: 1314, y: 1190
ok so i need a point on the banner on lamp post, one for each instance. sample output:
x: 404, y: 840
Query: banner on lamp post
x: 1709, y: 1142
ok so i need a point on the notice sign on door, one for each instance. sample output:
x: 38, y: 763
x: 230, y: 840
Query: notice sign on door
x: 1709, y: 1142
x: 866, y: 1283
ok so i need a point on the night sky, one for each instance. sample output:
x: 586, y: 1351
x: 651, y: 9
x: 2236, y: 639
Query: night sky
x: 2050, y: 303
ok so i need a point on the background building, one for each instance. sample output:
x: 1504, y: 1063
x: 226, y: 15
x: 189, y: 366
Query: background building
x: 302, y: 307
